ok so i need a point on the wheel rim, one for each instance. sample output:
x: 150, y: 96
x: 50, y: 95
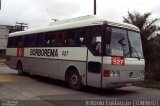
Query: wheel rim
x: 74, y: 79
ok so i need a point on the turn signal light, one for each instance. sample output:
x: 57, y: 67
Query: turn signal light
x: 106, y: 73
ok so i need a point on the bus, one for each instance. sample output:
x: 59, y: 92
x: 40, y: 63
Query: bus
x: 87, y: 50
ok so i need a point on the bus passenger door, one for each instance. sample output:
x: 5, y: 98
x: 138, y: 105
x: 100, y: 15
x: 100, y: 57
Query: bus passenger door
x: 94, y: 70
x: 94, y: 58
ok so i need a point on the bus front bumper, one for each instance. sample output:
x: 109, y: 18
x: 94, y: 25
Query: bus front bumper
x: 117, y: 82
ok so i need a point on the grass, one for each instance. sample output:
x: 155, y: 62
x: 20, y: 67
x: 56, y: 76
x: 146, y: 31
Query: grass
x: 151, y: 84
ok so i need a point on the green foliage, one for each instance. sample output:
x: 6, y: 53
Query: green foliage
x: 147, y: 26
x: 150, y: 41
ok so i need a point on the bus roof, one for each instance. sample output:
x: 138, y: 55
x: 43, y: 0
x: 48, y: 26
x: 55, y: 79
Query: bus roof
x: 89, y: 20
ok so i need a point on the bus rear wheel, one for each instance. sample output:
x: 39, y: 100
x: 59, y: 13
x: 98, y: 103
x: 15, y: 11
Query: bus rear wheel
x: 74, y: 80
x: 20, y: 69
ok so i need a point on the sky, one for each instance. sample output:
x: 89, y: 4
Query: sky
x: 39, y: 13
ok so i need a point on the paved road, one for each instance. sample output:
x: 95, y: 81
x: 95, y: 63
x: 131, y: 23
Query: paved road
x: 14, y: 87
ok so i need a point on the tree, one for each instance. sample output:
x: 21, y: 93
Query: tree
x: 147, y: 26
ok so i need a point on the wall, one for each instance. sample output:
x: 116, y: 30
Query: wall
x: 4, y: 32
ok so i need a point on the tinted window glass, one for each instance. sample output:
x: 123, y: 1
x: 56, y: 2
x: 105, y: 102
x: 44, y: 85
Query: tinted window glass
x: 67, y: 38
x: 15, y: 42
x: 76, y: 38
x: 95, y: 40
x: 19, y: 40
x: 49, y: 38
x: 136, y: 45
x: 119, y: 45
x: 9, y: 42
x: 40, y: 40
x: 30, y: 40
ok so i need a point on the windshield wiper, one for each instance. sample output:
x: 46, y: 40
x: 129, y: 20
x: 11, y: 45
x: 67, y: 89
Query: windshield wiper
x: 122, y: 44
x: 132, y: 48
x: 130, y: 51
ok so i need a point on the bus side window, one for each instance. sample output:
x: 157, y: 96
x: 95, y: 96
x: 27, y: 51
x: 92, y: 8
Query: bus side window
x: 41, y: 40
x: 47, y: 39
x: 56, y: 39
x: 27, y: 42
x: 77, y: 38
x: 70, y: 39
x: 52, y: 39
x: 16, y: 41
x: 95, y: 45
x: 33, y: 39
x: 82, y: 38
x: 60, y: 39
x: 63, y: 38
x: 20, y: 41
x: 23, y: 41
x: 11, y: 42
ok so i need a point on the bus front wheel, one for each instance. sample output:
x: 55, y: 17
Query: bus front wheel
x: 74, y: 80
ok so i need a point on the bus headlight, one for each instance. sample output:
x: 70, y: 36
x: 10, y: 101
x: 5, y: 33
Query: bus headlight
x: 108, y: 73
x: 114, y: 73
x: 117, y: 74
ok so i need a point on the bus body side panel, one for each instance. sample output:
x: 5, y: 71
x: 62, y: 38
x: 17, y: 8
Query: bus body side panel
x: 129, y: 72
x: 94, y: 70
x: 11, y: 57
x: 41, y: 65
x: 44, y: 67
x: 12, y: 62
x: 54, y: 67
x: 25, y: 63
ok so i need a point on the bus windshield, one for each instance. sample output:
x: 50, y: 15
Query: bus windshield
x: 124, y: 45
x: 136, y: 45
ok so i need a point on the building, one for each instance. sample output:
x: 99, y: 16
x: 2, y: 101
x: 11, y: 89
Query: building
x: 4, y: 32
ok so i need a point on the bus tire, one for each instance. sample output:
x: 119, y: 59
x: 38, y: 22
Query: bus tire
x: 20, y: 69
x: 74, y: 79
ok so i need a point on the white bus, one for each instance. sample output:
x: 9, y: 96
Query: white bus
x: 87, y: 50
